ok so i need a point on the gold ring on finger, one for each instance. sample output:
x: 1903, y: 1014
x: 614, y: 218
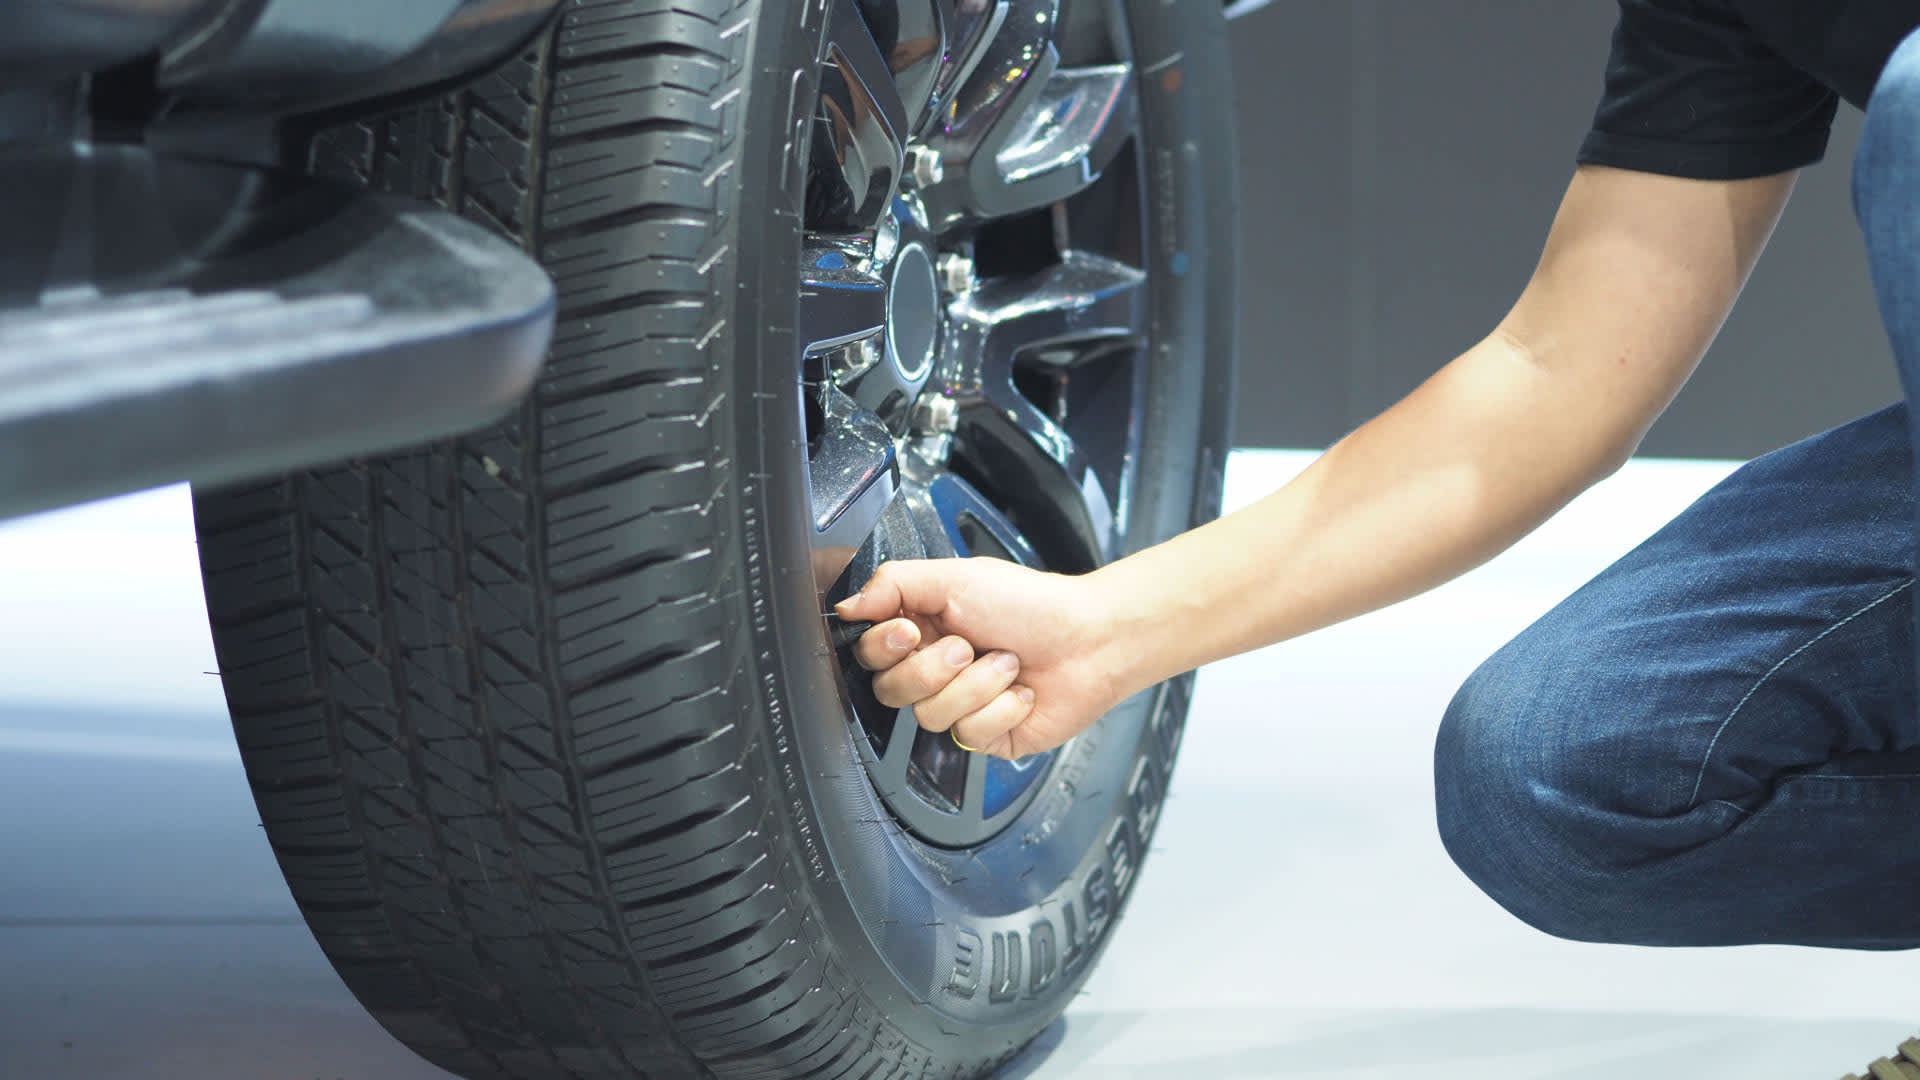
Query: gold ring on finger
x: 956, y: 741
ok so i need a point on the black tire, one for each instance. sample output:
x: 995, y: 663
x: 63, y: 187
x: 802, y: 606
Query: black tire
x: 543, y: 723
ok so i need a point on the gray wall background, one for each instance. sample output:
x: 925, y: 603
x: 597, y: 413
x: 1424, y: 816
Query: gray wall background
x: 1400, y: 164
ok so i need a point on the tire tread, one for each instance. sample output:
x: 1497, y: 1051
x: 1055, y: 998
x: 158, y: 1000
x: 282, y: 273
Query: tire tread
x: 484, y: 690
x: 490, y: 692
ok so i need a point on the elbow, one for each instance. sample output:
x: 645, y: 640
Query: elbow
x: 1609, y: 458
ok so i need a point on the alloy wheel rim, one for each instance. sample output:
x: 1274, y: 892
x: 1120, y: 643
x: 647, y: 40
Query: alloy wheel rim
x: 973, y: 325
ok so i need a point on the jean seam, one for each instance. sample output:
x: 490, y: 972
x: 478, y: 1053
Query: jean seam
x: 1741, y: 810
x: 1707, y: 758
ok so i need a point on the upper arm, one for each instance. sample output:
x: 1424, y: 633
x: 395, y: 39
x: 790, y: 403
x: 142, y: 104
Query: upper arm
x: 1637, y: 277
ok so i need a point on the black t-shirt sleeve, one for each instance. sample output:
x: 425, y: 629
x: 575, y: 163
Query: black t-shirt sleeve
x: 1692, y: 91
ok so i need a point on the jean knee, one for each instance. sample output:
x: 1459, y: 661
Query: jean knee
x: 1888, y: 142
x: 1509, y: 816
x: 1898, y: 86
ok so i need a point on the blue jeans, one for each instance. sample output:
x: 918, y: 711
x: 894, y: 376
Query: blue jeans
x: 1717, y: 740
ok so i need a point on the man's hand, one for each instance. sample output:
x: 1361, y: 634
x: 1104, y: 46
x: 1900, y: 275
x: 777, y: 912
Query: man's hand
x: 1013, y: 660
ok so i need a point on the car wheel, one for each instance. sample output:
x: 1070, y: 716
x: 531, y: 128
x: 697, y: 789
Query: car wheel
x: 545, y: 723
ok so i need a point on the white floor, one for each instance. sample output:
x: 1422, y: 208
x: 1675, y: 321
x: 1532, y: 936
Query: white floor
x: 152, y: 938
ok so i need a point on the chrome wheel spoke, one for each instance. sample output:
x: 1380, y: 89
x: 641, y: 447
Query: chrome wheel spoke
x: 1015, y: 43
x: 957, y: 521
x: 1029, y: 453
x: 852, y: 476
x: 862, y: 124
x: 1020, y: 132
x: 914, y: 47
x: 971, y: 26
x: 839, y: 302
x: 1064, y: 141
x: 1085, y: 308
x: 1084, y: 301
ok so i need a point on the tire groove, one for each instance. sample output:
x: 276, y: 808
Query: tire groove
x: 673, y: 828
x: 848, y: 1048
x: 647, y: 52
x: 645, y: 298
x: 679, y: 784
x: 651, y: 465
x: 716, y: 912
x: 272, y: 707
x: 534, y: 530
x: 413, y: 751
x: 351, y: 793
x: 626, y: 567
x: 655, y: 125
x: 640, y: 214
x: 798, y: 1034
x: 717, y: 945
x: 638, y: 666
x: 652, y: 754
x: 797, y: 1002
x: 492, y: 736
x: 734, y: 1001
x: 687, y: 892
x: 238, y: 617
x: 301, y: 783
x: 669, y: 377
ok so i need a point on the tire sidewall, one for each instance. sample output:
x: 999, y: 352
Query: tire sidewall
x: 968, y: 955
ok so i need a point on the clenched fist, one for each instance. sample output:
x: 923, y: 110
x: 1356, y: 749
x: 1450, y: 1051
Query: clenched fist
x: 1013, y: 661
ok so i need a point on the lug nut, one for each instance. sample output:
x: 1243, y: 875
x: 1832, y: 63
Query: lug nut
x: 936, y: 415
x: 924, y: 166
x: 855, y: 359
x: 887, y: 240
x: 956, y: 273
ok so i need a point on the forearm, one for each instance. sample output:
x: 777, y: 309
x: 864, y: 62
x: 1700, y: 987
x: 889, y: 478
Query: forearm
x: 1471, y: 461
x: 1637, y: 275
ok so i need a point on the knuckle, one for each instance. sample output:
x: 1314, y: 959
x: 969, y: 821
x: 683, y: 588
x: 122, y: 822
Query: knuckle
x: 894, y: 690
x: 941, y: 658
x: 925, y: 684
x: 986, y: 690
x: 1007, y: 714
x: 955, y: 705
x: 987, y: 714
x: 977, y: 703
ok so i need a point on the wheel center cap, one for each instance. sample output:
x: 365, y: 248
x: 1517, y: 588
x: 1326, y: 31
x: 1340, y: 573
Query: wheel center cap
x: 913, y: 313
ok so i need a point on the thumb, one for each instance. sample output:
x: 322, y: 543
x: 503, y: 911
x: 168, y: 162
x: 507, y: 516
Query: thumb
x: 904, y: 586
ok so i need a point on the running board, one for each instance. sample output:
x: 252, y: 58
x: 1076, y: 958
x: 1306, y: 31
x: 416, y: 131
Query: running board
x: 189, y: 321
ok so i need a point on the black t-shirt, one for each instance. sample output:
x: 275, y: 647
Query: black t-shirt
x: 1730, y: 89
